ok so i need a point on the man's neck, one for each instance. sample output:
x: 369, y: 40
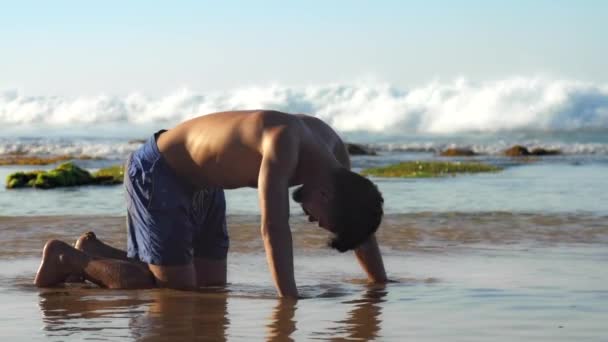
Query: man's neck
x: 316, y: 165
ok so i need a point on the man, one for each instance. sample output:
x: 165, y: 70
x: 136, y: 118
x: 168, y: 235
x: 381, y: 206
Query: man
x: 176, y: 209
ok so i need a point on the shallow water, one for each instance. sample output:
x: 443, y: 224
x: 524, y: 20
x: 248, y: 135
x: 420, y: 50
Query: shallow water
x: 546, y: 187
x: 546, y: 294
x: 464, y: 277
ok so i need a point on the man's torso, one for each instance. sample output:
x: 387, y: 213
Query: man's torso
x: 226, y: 149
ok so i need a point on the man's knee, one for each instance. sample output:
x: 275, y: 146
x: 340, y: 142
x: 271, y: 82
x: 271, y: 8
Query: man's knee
x: 210, y: 272
x: 174, y: 277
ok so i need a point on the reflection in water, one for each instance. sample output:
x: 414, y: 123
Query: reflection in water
x: 151, y: 315
x: 282, y: 324
x: 67, y: 312
x: 158, y: 315
x: 363, y: 321
x: 184, y: 316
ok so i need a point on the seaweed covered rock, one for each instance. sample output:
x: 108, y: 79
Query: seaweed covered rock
x: 66, y: 174
x: 21, y: 179
x: 457, y: 152
x: 426, y: 169
x: 359, y: 150
x: 109, y: 175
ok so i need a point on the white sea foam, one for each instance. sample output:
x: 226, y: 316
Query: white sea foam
x: 120, y: 149
x: 457, y: 106
x: 42, y: 147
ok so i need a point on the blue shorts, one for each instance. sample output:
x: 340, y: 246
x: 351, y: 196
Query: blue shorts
x: 168, y: 222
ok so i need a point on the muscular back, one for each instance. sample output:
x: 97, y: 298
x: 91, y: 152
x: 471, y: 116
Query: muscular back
x: 226, y: 149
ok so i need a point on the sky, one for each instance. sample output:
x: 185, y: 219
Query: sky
x: 73, y: 48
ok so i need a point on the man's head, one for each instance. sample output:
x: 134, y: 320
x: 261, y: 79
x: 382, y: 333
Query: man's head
x: 348, y: 205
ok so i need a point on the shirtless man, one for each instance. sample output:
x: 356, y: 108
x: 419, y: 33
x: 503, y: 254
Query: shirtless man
x: 176, y: 209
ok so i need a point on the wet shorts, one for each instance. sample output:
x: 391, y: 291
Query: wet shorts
x: 168, y: 223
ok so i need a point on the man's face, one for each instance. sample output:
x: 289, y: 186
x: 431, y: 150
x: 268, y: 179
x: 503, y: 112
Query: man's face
x: 315, y: 203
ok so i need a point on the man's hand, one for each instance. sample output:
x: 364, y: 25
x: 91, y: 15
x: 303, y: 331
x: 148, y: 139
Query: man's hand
x: 370, y: 259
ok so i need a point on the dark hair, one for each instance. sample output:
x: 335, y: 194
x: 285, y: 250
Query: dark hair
x: 356, y: 209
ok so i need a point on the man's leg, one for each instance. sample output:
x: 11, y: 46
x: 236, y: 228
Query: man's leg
x: 181, y: 277
x: 59, y: 260
x: 89, y: 244
x: 177, y: 277
x: 210, y: 272
x: 211, y: 239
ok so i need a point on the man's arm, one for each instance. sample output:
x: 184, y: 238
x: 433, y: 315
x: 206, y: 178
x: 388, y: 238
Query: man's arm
x: 370, y: 259
x: 278, y: 162
x: 368, y: 254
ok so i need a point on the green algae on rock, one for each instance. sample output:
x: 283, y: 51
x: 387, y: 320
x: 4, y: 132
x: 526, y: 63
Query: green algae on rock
x: 110, y: 175
x: 66, y: 174
x: 21, y: 179
x: 426, y: 169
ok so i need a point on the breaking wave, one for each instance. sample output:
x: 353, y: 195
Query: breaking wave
x: 458, y: 106
x: 118, y: 149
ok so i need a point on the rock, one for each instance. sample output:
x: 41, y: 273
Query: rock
x: 544, y: 152
x: 517, y: 151
x: 359, y: 150
x: 66, y: 174
x: 522, y: 151
x: 110, y: 175
x: 137, y: 141
x: 21, y: 179
x: 457, y: 152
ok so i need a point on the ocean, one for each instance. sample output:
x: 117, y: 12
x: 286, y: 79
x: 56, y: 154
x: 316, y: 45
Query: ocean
x: 517, y: 254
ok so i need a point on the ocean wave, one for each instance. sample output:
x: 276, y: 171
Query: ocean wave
x: 55, y: 147
x: 119, y: 149
x: 459, y: 106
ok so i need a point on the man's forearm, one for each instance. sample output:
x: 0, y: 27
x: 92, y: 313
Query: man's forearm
x: 370, y: 259
x: 279, y: 254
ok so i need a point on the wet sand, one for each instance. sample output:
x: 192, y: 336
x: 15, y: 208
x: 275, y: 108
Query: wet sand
x: 426, y: 231
x: 461, y: 277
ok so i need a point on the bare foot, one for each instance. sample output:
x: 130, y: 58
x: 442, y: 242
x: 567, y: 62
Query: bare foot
x: 86, y: 243
x: 90, y: 245
x: 53, y: 270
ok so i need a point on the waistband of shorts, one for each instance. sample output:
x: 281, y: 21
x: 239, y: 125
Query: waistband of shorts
x: 150, y: 159
x: 149, y: 151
